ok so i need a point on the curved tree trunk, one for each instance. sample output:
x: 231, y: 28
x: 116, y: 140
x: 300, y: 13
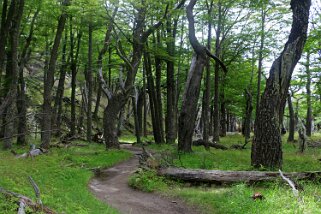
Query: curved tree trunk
x: 187, y: 117
x: 266, y: 148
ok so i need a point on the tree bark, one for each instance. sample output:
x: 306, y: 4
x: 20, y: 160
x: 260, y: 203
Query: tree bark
x: 115, y: 104
x: 266, y: 147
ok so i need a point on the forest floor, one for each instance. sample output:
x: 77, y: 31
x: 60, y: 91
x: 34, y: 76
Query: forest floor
x: 111, y: 186
x: 236, y: 198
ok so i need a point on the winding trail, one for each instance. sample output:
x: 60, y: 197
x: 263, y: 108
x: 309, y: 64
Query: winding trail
x: 112, y: 187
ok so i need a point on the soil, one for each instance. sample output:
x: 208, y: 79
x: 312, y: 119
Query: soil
x: 111, y: 186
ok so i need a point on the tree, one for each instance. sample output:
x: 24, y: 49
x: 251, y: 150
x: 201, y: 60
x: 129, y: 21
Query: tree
x: 49, y: 81
x: 12, y: 69
x: 266, y: 148
x: 187, y: 116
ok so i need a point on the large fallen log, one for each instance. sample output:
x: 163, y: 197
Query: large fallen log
x: 227, y: 177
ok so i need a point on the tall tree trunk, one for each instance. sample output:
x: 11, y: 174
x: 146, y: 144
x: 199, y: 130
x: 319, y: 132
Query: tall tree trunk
x: 309, y: 106
x: 12, y: 70
x: 216, y: 134
x: 89, y: 83
x: 188, y: 113
x: 292, y: 119
x: 248, y: 114
x: 207, y: 90
x: 60, y: 90
x: 223, y: 116
x: 158, y: 93
x: 266, y: 147
x: 21, y: 99
x: 49, y: 81
x: 73, y: 68
x: 171, y: 115
x: 259, y: 72
x: 6, y: 19
x: 145, y: 103
x: 137, y: 127
x: 153, y: 100
x: 140, y: 105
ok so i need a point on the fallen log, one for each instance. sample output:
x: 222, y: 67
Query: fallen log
x: 25, y: 201
x: 65, y: 146
x: 32, y: 153
x: 227, y: 177
x: 201, y: 142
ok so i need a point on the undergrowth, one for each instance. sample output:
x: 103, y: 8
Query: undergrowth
x: 278, y: 196
x: 62, y: 176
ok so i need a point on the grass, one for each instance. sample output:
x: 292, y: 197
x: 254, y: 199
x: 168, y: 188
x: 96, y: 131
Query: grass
x: 237, y: 198
x: 62, y: 176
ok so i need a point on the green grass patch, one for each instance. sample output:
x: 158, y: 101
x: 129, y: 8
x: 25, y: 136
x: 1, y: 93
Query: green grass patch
x: 62, y: 176
x: 147, y: 181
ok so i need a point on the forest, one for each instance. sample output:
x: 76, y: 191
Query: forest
x: 177, y: 106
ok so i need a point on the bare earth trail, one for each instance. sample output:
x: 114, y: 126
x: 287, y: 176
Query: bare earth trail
x: 112, y: 187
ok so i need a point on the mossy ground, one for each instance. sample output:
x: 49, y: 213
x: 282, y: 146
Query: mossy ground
x: 62, y: 176
x: 237, y: 198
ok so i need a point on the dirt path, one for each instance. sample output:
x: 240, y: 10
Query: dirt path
x: 112, y: 187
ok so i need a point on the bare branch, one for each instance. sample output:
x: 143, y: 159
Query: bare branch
x: 121, y: 53
x: 216, y: 60
x: 291, y: 183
